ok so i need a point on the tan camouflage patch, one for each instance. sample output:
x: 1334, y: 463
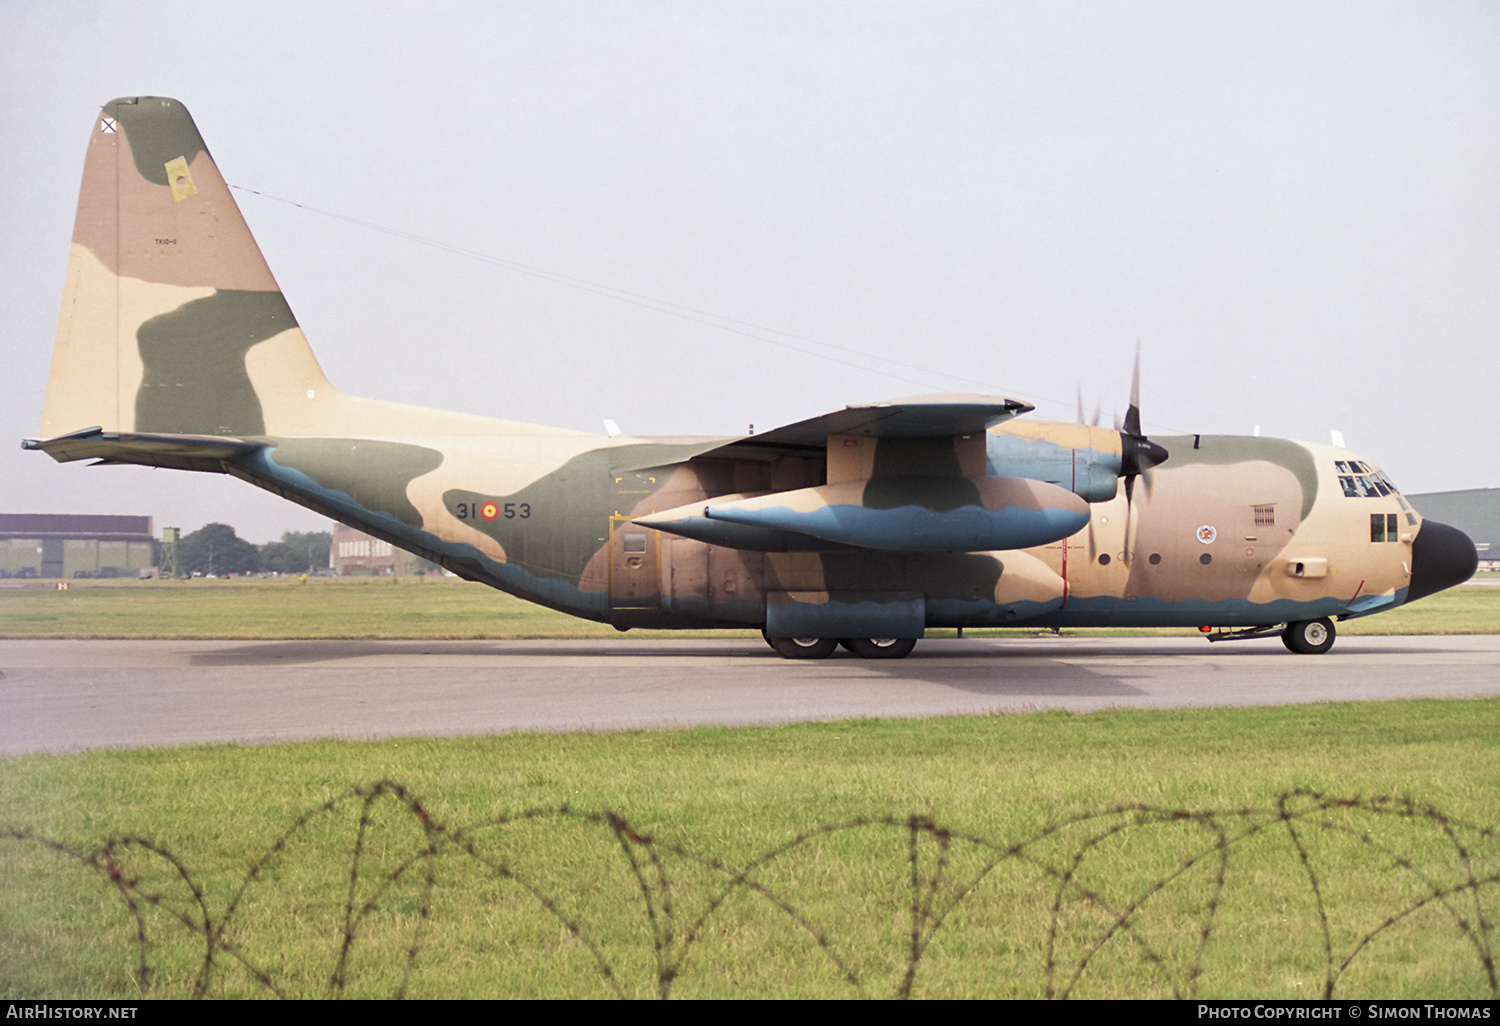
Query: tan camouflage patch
x: 1026, y: 578
x: 96, y: 362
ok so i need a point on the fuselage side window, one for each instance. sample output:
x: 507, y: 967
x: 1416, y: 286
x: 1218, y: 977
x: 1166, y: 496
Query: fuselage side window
x: 1385, y: 527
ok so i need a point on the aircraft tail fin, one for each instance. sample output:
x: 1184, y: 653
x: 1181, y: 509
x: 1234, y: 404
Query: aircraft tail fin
x: 172, y: 323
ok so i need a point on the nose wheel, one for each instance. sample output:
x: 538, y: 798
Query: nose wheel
x: 1309, y: 637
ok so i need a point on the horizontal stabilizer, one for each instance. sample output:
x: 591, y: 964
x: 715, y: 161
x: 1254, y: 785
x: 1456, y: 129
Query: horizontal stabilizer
x: 179, y: 452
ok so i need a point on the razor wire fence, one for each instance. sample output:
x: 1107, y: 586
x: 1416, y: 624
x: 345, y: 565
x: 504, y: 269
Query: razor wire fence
x: 368, y: 894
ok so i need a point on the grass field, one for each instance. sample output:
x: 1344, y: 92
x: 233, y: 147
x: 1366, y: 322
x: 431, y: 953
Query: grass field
x: 1138, y: 854
x: 435, y: 607
x: 1282, y: 852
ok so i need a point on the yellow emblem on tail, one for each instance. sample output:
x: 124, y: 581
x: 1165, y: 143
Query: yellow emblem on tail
x: 180, y: 179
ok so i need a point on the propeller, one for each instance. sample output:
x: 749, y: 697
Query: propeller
x: 1098, y: 408
x: 1139, y: 456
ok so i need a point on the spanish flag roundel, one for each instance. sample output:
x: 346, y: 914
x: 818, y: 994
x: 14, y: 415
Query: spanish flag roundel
x: 489, y: 511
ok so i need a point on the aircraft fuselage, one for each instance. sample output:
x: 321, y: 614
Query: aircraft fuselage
x: 1230, y: 532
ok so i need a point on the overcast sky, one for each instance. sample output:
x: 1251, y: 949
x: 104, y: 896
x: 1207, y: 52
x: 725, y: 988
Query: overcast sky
x: 777, y: 209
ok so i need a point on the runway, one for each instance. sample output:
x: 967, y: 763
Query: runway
x: 72, y: 695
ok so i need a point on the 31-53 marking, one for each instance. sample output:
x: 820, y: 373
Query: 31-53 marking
x: 492, y: 511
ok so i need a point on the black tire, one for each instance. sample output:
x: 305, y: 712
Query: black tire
x: 804, y: 648
x: 1309, y: 637
x: 880, y: 648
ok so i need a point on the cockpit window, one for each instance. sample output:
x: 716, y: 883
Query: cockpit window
x: 1361, y: 481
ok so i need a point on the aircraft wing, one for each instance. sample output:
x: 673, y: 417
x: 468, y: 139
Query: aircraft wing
x: 936, y: 416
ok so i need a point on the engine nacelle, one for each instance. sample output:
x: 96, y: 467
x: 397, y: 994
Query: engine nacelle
x: 1084, y: 460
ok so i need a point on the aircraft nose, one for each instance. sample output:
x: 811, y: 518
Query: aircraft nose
x: 1441, y: 556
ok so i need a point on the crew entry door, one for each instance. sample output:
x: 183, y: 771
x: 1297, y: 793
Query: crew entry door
x: 634, y: 565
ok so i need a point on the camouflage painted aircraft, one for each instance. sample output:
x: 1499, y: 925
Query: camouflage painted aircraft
x: 863, y: 527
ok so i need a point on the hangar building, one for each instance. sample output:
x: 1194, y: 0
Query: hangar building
x: 1474, y: 511
x: 65, y: 545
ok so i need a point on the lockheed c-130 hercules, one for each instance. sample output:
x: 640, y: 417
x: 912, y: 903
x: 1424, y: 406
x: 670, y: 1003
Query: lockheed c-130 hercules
x: 863, y: 527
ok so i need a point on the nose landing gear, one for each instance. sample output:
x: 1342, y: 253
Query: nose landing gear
x: 1309, y: 637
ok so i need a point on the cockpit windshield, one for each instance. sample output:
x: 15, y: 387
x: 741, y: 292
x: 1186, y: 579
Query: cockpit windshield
x: 1359, y: 480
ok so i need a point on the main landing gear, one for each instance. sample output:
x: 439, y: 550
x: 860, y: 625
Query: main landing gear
x: 822, y: 648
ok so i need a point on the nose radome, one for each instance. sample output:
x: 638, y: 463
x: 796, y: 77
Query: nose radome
x: 1441, y: 556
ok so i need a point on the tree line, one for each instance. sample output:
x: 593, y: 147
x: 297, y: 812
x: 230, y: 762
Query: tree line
x: 216, y: 549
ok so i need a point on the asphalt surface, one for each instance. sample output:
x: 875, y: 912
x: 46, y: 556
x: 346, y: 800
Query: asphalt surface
x: 72, y: 695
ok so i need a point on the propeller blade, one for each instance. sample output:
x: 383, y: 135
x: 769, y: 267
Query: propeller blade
x: 1133, y: 414
x: 1139, y: 456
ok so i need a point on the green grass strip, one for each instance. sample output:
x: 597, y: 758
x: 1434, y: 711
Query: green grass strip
x: 1283, y: 852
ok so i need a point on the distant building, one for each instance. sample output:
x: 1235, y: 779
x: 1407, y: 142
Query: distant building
x: 64, y: 545
x: 1474, y: 511
x: 356, y: 554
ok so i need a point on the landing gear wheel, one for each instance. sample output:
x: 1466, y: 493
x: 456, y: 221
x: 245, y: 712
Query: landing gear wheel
x: 880, y: 648
x: 804, y: 648
x: 1309, y: 637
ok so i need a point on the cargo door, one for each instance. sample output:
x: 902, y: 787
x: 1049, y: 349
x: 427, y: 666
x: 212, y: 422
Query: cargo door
x: 634, y: 552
